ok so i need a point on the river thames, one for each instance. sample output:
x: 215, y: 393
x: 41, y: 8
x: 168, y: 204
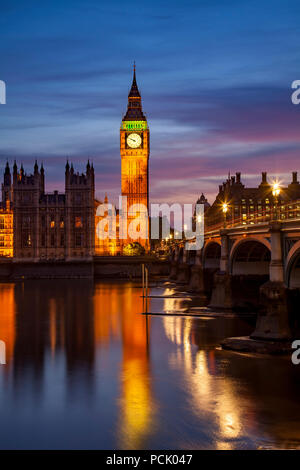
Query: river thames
x: 86, y: 369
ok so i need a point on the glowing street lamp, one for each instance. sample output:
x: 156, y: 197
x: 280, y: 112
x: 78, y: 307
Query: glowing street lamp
x: 276, y: 192
x: 224, y: 210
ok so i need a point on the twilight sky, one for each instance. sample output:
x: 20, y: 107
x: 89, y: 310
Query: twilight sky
x: 215, y: 78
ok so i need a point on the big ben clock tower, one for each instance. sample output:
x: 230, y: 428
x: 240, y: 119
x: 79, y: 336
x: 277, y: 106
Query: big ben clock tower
x: 134, y: 149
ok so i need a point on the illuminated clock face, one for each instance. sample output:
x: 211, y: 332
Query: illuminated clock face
x: 134, y: 140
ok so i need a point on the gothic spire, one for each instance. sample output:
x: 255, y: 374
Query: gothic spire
x: 7, y: 170
x: 134, y: 109
x: 134, y: 91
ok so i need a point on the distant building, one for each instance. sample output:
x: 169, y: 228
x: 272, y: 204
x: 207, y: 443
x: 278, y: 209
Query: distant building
x: 134, y: 150
x: 6, y: 217
x: 252, y: 205
x: 37, y: 226
x: 49, y: 226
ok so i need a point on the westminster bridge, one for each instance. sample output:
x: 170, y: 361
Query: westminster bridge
x: 246, y: 266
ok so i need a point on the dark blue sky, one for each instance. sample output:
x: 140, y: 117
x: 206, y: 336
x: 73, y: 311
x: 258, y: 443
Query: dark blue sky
x: 215, y: 78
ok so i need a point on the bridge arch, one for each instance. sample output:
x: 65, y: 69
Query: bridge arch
x: 250, y: 256
x: 292, y: 273
x: 212, y: 255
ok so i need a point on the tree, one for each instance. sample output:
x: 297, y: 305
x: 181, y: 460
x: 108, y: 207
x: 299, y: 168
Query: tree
x: 134, y: 249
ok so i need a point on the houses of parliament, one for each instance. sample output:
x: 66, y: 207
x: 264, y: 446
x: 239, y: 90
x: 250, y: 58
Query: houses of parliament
x: 38, y: 226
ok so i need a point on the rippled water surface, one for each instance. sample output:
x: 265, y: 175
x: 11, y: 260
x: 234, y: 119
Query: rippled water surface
x: 85, y: 369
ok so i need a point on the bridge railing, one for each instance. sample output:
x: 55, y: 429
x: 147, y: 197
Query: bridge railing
x: 282, y: 212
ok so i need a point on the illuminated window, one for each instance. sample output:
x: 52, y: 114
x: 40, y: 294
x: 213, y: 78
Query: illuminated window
x: 26, y: 239
x: 52, y: 224
x: 78, y: 222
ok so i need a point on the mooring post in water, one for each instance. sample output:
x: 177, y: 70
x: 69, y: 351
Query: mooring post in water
x: 146, y: 289
x: 2, y: 352
x: 143, y: 279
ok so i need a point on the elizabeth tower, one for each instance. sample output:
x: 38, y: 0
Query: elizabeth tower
x: 134, y: 149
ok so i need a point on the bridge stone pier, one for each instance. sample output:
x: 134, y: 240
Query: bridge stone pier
x: 249, y: 267
x: 174, y: 262
x: 196, y: 282
x: 183, y: 267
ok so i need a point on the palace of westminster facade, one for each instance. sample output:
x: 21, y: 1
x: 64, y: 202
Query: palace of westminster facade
x: 37, y: 226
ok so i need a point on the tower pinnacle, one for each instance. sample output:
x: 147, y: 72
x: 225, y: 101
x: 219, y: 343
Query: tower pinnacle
x: 134, y: 91
x: 134, y: 109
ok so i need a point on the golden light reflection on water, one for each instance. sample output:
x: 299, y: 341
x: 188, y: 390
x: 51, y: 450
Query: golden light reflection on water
x: 118, y: 315
x: 8, y: 319
x: 214, y: 392
x: 207, y: 396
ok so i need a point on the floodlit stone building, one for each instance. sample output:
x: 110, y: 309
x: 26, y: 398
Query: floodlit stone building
x: 252, y: 205
x: 49, y: 226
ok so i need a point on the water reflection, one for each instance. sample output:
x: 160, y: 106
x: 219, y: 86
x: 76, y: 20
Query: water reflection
x: 217, y: 400
x: 118, y: 315
x: 7, y: 320
x: 87, y: 370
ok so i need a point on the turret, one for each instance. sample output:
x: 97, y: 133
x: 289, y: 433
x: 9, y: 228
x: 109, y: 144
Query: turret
x: 7, y: 175
x: 264, y: 182
x: 294, y: 187
x: 42, y: 178
x: 6, y: 186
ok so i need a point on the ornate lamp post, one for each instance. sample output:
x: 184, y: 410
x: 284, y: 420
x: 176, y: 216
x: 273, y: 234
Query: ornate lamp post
x: 276, y: 192
x: 225, y: 210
